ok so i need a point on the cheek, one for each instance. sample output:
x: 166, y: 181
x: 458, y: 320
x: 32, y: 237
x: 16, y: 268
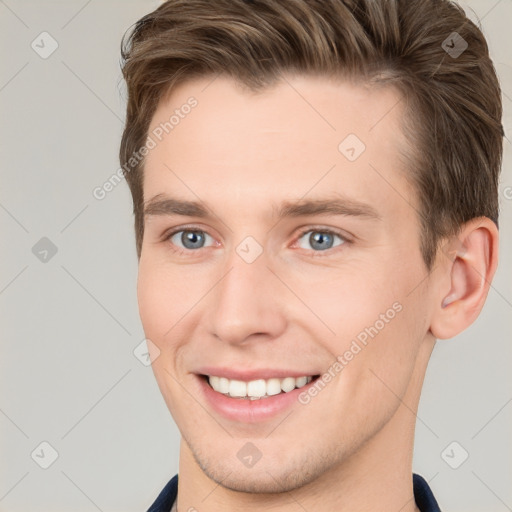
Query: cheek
x: 377, y: 323
x: 346, y: 300
x: 162, y: 298
x: 385, y: 375
x: 151, y: 299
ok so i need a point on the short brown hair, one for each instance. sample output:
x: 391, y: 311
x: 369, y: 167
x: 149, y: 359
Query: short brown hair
x: 453, y: 115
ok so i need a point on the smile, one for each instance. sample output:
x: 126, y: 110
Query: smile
x: 256, y: 389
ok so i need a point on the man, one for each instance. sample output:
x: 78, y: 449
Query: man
x: 315, y: 197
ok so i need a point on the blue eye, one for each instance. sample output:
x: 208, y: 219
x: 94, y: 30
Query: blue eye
x: 321, y: 240
x: 191, y: 239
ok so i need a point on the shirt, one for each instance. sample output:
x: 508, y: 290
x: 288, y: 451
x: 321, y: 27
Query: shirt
x: 425, y: 500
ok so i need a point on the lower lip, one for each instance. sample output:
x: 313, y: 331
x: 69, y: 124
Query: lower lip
x: 246, y: 410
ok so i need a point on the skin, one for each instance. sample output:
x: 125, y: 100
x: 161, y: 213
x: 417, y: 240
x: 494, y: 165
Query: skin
x: 349, y: 448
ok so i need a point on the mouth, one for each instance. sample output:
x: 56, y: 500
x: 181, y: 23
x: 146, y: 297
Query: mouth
x: 247, y: 397
x: 256, y: 389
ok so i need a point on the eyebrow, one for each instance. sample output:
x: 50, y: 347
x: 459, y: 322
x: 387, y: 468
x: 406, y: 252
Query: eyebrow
x: 162, y: 205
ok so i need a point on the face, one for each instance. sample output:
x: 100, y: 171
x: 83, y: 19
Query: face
x: 276, y: 247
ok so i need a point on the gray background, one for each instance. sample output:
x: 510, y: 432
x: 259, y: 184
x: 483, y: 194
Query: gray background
x: 70, y: 324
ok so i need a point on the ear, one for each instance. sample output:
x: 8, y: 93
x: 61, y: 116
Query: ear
x: 467, y: 264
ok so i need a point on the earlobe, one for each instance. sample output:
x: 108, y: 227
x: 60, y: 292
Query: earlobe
x: 467, y: 264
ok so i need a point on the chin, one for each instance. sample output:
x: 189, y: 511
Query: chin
x: 262, y: 482
x: 267, y: 476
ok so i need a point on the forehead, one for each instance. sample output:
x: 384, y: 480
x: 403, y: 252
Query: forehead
x: 304, y: 135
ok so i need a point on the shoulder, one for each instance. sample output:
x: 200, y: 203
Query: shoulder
x: 167, y: 497
x: 423, y: 495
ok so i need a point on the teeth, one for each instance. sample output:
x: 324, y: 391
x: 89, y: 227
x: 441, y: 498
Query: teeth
x: 256, y: 389
x: 273, y: 387
x: 288, y: 384
x: 223, y: 385
x: 237, y: 388
x: 302, y: 381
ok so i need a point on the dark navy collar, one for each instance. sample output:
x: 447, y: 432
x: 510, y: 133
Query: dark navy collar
x: 422, y: 494
x: 167, y: 497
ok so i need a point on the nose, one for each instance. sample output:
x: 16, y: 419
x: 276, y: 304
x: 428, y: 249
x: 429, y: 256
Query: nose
x: 248, y: 302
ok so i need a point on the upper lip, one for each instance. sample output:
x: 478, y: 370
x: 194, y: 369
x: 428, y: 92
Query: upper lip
x: 253, y: 373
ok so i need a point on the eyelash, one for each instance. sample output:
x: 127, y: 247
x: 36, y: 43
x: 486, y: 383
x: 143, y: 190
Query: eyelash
x: 319, y: 229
